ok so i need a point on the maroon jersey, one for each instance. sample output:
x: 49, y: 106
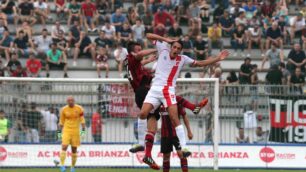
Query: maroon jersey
x: 167, y: 128
x: 102, y: 58
x: 137, y: 74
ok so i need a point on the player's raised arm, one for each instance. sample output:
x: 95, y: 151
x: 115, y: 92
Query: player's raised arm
x: 141, y: 54
x: 221, y: 56
x: 155, y: 37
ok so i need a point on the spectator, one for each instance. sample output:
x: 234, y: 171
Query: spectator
x: 125, y: 34
x: 175, y: 31
x: 3, y: 26
x: 101, y: 61
x: 250, y: 122
x: 241, y: 19
x: 6, y: 43
x: 34, y: 121
x: 297, y: 82
x: 204, y: 13
x: 43, y: 42
x: 303, y: 39
x: 120, y: 54
x: 118, y: 19
x: 296, y: 58
x: 250, y: 10
x: 194, y: 15
x: 261, y: 136
x: 231, y: 89
x: 116, y: 4
x: 13, y: 64
x: 4, y: 127
x: 60, y: 6
x: 139, y: 33
x: 187, y: 46
x: 245, y: 72
x: 254, y: 37
x: 132, y: 16
x: 217, y: 13
x: 267, y: 8
x: 285, y: 72
x: 41, y: 9
x: 74, y: 33
x: 50, y: 121
x: 297, y: 24
x: 236, y: 10
x: 103, y: 9
x: 21, y: 44
x: 21, y: 124
x: 148, y: 21
x: 89, y: 13
x: 283, y: 25
x: 226, y: 23
x: 110, y: 33
x: 26, y: 12
x: 101, y: 41
x: 63, y: 44
x: 238, y: 40
x: 96, y: 126
x: 33, y: 66
x: 201, y: 52
x: 241, y: 138
x: 74, y: 11
x: 9, y: 8
x: 56, y: 60
x: 275, y: 56
x: 274, y: 36
x: 84, y: 47
x: 163, y: 17
x: 160, y: 29
x: 215, y: 37
x: 274, y: 76
x: 55, y: 30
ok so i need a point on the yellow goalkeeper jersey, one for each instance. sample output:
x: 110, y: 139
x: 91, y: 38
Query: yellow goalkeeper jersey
x: 72, y: 117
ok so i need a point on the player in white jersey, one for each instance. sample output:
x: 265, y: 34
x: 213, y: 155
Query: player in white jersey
x: 169, y: 63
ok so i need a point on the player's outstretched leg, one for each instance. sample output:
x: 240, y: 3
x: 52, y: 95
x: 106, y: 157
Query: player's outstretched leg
x: 152, y: 164
x: 195, y: 108
x: 199, y: 106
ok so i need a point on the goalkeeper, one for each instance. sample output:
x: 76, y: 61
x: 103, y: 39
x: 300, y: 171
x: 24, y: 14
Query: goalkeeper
x: 72, y: 115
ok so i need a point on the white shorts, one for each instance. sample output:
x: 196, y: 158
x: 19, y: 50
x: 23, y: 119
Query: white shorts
x: 161, y: 95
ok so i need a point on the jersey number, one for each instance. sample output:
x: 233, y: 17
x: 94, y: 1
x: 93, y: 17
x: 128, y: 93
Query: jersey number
x: 129, y: 75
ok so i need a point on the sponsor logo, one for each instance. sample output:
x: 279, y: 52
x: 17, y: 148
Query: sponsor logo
x: 3, y: 153
x: 267, y: 154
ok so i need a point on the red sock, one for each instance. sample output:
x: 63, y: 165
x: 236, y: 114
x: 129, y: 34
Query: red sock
x: 184, y: 165
x: 166, y: 166
x: 185, y: 103
x: 149, y: 140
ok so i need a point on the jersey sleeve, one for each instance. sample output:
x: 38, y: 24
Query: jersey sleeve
x: 62, y: 117
x: 188, y: 60
x: 82, y: 118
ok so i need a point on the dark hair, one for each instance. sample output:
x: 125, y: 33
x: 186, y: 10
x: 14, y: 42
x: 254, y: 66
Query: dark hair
x: 44, y: 29
x: 179, y: 41
x: 1, y: 111
x: 282, y: 65
x: 247, y: 59
x: 131, y: 45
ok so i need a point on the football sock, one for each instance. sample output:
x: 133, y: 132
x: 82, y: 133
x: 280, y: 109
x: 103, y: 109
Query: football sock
x: 149, y: 143
x: 180, y: 132
x: 166, y: 166
x: 184, y: 165
x: 63, y: 157
x: 74, y: 159
x: 185, y: 103
x: 142, y: 127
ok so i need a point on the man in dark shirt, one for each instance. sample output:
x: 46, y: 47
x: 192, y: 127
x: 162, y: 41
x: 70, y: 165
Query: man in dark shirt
x: 296, y: 58
x: 21, y: 44
x: 26, y: 12
x: 187, y: 46
x: 125, y: 34
x: 274, y: 36
x: 34, y: 118
x: 74, y: 33
x: 13, y: 64
x: 6, y: 42
x: 297, y: 81
x: 175, y: 31
x: 84, y: 47
x: 226, y: 23
x: 274, y: 76
x: 101, y: 41
x: 200, y: 48
x: 9, y: 8
x: 245, y: 72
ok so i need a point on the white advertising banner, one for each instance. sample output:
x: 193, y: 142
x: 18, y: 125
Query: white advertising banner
x: 232, y: 156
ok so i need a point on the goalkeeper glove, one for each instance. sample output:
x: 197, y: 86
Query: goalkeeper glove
x: 59, y: 134
x: 82, y: 132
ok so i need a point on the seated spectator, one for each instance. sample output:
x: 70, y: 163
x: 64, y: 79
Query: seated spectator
x: 267, y: 8
x: 214, y: 37
x: 43, y: 42
x: 55, y: 31
x: 103, y: 9
x: 204, y: 11
x: 27, y: 29
x: 9, y: 8
x: 132, y: 16
x: 74, y: 33
x: 201, y: 53
x: 101, y: 41
x: 254, y: 37
x: 226, y: 23
x: 274, y: 35
x: 3, y: 27
x: 261, y: 136
x: 193, y: 32
x: 138, y: 30
x: 120, y: 54
x: 19, y: 72
x: 101, y: 61
x: 236, y: 10
x: 84, y: 47
x: 285, y: 72
x: 116, y: 4
x: 33, y: 66
x: 148, y: 21
x: 297, y: 81
x: 187, y: 47
x: 274, y: 76
x: 26, y: 11
x: 63, y: 44
x: 254, y: 21
x: 283, y: 25
x: 245, y: 72
x: 241, y: 138
x: 238, y: 40
x: 163, y: 17
x: 175, y: 31
x: 250, y: 10
x: 296, y: 58
x: 89, y: 12
x: 61, y: 8
x: 74, y: 12
x: 303, y: 39
x: 217, y: 13
x: 160, y: 29
x: 117, y: 19
x: 6, y: 43
x: 21, y: 44
x: 125, y: 34
x: 194, y: 15
x: 13, y: 64
x: 110, y: 33
x: 275, y: 55
x: 55, y: 60
x: 241, y: 19
x: 297, y: 24
x: 41, y: 9
x: 281, y: 9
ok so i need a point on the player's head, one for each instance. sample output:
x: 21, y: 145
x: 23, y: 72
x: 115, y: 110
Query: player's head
x: 133, y: 47
x: 176, y: 48
x: 70, y: 101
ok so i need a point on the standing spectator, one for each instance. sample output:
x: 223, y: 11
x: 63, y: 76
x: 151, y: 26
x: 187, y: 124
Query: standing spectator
x: 274, y: 76
x: 6, y: 43
x: 139, y: 33
x: 125, y: 34
x: 34, y: 119
x: 60, y: 6
x: 254, y: 37
x: 187, y: 47
x: 4, y: 127
x: 84, y: 47
x: 275, y: 56
x: 96, y: 126
x: 89, y: 12
x: 55, y: 59
x: 230, y: 89
x: 274, y: 36
x: 118, y: 19
x: 250, y: 123
x: 43, y: 42
x: 13, y: 64
x: 120, y: 54
x: 297, y: 24
x: 50, y: 121
x: 245, y: 72
x: 241, y: 138
x: 214, y: 37
x: 238, y: 40
x: 286, y: 74
x: 175, y: 31
x: 163, y: 17
x: 33, y: 66
x: 74, y: 11
x: 26, y: 12
x: 101, y: 61
x: 55, y: 30
x: 226, y: 23
x: 21, y: 124
x: 297, y: 82
x: 42, y: 10
x: 9, y: 8
x: 110, y: 33
x: 296, y: 58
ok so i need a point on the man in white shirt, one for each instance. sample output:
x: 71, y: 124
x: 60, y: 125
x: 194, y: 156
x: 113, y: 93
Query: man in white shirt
x: 43, y: 42
x: 41, y: 9
x: 110, y: 32
x: 50, y: 121
x: 56, y: 30
x: 297, y: 24
x: 138, y: 33
x: 120, y: 54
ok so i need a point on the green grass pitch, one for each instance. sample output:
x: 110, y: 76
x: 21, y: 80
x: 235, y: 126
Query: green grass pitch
x: 128, y: 170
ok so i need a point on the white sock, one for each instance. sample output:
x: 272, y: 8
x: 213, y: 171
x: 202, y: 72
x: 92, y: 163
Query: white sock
x: 180, y: 132
x: 142, y: 128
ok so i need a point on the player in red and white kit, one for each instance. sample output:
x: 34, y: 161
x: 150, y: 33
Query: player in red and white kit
x: 162, y: 91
